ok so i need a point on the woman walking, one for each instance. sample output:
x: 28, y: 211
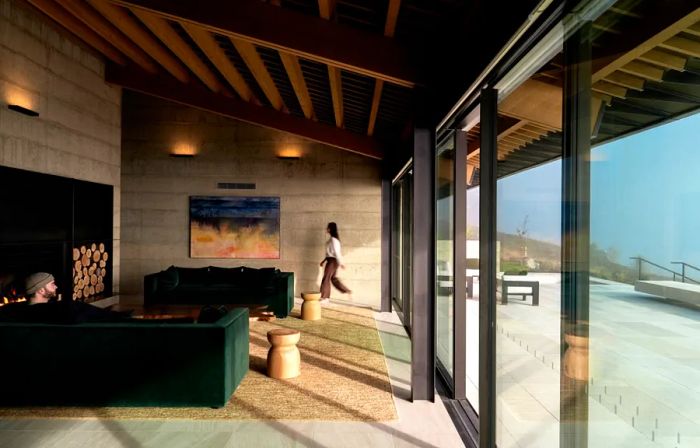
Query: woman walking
x: 332, y: 261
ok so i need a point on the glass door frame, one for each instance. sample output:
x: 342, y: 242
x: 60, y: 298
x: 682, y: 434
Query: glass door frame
x: 486, y: 97
x: 456, y: 383
x: 402, y: 271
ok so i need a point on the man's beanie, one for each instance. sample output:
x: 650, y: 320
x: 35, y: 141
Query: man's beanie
x: 35, y: 282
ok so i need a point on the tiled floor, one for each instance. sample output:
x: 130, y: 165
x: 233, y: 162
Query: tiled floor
x: 420, y: 424
x: 644, y: 368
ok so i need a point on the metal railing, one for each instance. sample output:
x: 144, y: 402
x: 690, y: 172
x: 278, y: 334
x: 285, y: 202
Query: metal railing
x: 676, y: 275
x: 683, y: 266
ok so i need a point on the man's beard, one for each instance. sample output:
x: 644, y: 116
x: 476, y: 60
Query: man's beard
x: 50, y: 294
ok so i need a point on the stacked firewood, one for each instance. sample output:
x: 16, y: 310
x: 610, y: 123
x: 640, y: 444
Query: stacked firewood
x: 89, y: 270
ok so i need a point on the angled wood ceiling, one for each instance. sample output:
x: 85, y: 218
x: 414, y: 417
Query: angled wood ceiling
x: 328, y: 70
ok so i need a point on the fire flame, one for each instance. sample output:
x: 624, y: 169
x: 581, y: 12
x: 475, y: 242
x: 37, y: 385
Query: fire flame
x: 13, y: 298
x: 5, y: 300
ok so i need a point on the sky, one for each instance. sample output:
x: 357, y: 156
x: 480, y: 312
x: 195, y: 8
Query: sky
x: 645, y: 196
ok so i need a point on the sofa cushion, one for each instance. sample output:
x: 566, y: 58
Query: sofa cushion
x: 265, y: 275
x: 192, y: 275
x: 169, y: 278
x: 220, y: 275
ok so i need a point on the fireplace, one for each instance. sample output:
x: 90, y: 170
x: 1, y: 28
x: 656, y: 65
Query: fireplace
x: 48, y: 224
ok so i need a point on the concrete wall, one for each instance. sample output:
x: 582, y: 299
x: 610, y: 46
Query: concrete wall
x: 78, y: 132
x: 326, y: 184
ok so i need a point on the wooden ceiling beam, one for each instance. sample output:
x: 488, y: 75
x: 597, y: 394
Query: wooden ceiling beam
x: 670, y: 18
x: 162, y: 29
x: 374, y: 109
x: 694, y: 29
x: 257, y: 67
x: 392, y: 16
x: 207, y: 43
x: 646, y: 71
x: 105, y: 29
x: 201, y: 98
x: 625, y: 80
x: 129, y: 26
x: 310, y: 37
x: 682, y: 45
x: 336, y: 94
x: 326, y: 8
x: 296, y: 78
x: 77, y: 27
x: 663, y: 59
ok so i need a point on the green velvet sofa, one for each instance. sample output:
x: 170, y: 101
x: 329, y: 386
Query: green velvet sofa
x: 218, y: 286
x: 139, y: 363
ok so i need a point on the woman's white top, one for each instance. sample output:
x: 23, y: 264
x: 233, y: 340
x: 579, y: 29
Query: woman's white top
x: 333, y: 249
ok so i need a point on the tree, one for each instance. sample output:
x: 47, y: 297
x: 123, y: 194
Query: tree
x: 522, y: 232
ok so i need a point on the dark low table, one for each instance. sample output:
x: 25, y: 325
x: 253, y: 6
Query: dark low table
x: 532, y: 285
x: 167, y: 312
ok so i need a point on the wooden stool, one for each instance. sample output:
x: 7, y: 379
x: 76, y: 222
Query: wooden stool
x: 283, y: 359
x: 311, y: 308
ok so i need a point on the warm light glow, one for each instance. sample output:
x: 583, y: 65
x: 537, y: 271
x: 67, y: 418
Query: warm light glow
x: 289, y: 152
x: 184, y: 149
x: 23, y: 99
x: 5, y: 300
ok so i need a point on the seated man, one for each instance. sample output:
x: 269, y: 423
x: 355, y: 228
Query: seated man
x: 42, y: 307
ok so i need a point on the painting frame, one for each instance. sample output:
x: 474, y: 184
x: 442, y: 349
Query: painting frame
x: 234, y: 227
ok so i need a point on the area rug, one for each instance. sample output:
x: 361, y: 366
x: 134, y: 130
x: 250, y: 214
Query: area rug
x: 343, y: 377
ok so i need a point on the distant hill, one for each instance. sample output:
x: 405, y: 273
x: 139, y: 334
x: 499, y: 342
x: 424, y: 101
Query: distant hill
x: 547, y: 257
x: 546, y: 254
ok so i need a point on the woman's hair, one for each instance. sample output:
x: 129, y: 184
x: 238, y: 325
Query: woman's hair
x: 333, y: 229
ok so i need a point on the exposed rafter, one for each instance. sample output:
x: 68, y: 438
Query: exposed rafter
x: 68, y: 21
x: 374, y: 108
x: 205, y: 40
x: 296, y: 77
x: 257, y: 67
x: 129, y: 26
x: 326, y: 8
x: 105, y: 29
x: 200, y: 98
x: 336, y: 94
x: 321, y: 40
x: 161, y: 28
x: 625, y: 51
x: 392, y: 16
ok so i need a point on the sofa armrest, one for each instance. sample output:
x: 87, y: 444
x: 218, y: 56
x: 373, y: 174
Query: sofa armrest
x: 150, y: 287
x: 237, y: 348
x: 283, y: 302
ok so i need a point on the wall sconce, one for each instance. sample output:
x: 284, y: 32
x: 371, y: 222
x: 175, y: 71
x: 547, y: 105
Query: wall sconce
x: 23, y: 110
x: 183, y: 150
x: 290, y: 153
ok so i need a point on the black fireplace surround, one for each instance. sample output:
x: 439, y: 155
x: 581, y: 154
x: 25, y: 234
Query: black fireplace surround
x: 42, y: 218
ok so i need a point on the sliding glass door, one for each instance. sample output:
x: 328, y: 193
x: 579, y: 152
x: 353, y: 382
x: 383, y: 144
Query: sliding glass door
x: 444, y: 251
x: 401, y: 245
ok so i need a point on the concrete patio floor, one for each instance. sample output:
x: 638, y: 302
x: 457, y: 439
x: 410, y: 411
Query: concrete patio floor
x: 644, y: 370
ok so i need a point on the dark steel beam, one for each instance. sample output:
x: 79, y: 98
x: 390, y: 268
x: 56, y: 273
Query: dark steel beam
x: 487, y: 268
x: 423, y: 306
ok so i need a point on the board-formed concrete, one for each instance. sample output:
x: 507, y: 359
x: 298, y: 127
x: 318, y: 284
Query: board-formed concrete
x: 78, y: 131
x: 325, y: 184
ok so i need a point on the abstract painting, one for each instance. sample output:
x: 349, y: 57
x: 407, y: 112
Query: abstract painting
x: 234, y: 227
